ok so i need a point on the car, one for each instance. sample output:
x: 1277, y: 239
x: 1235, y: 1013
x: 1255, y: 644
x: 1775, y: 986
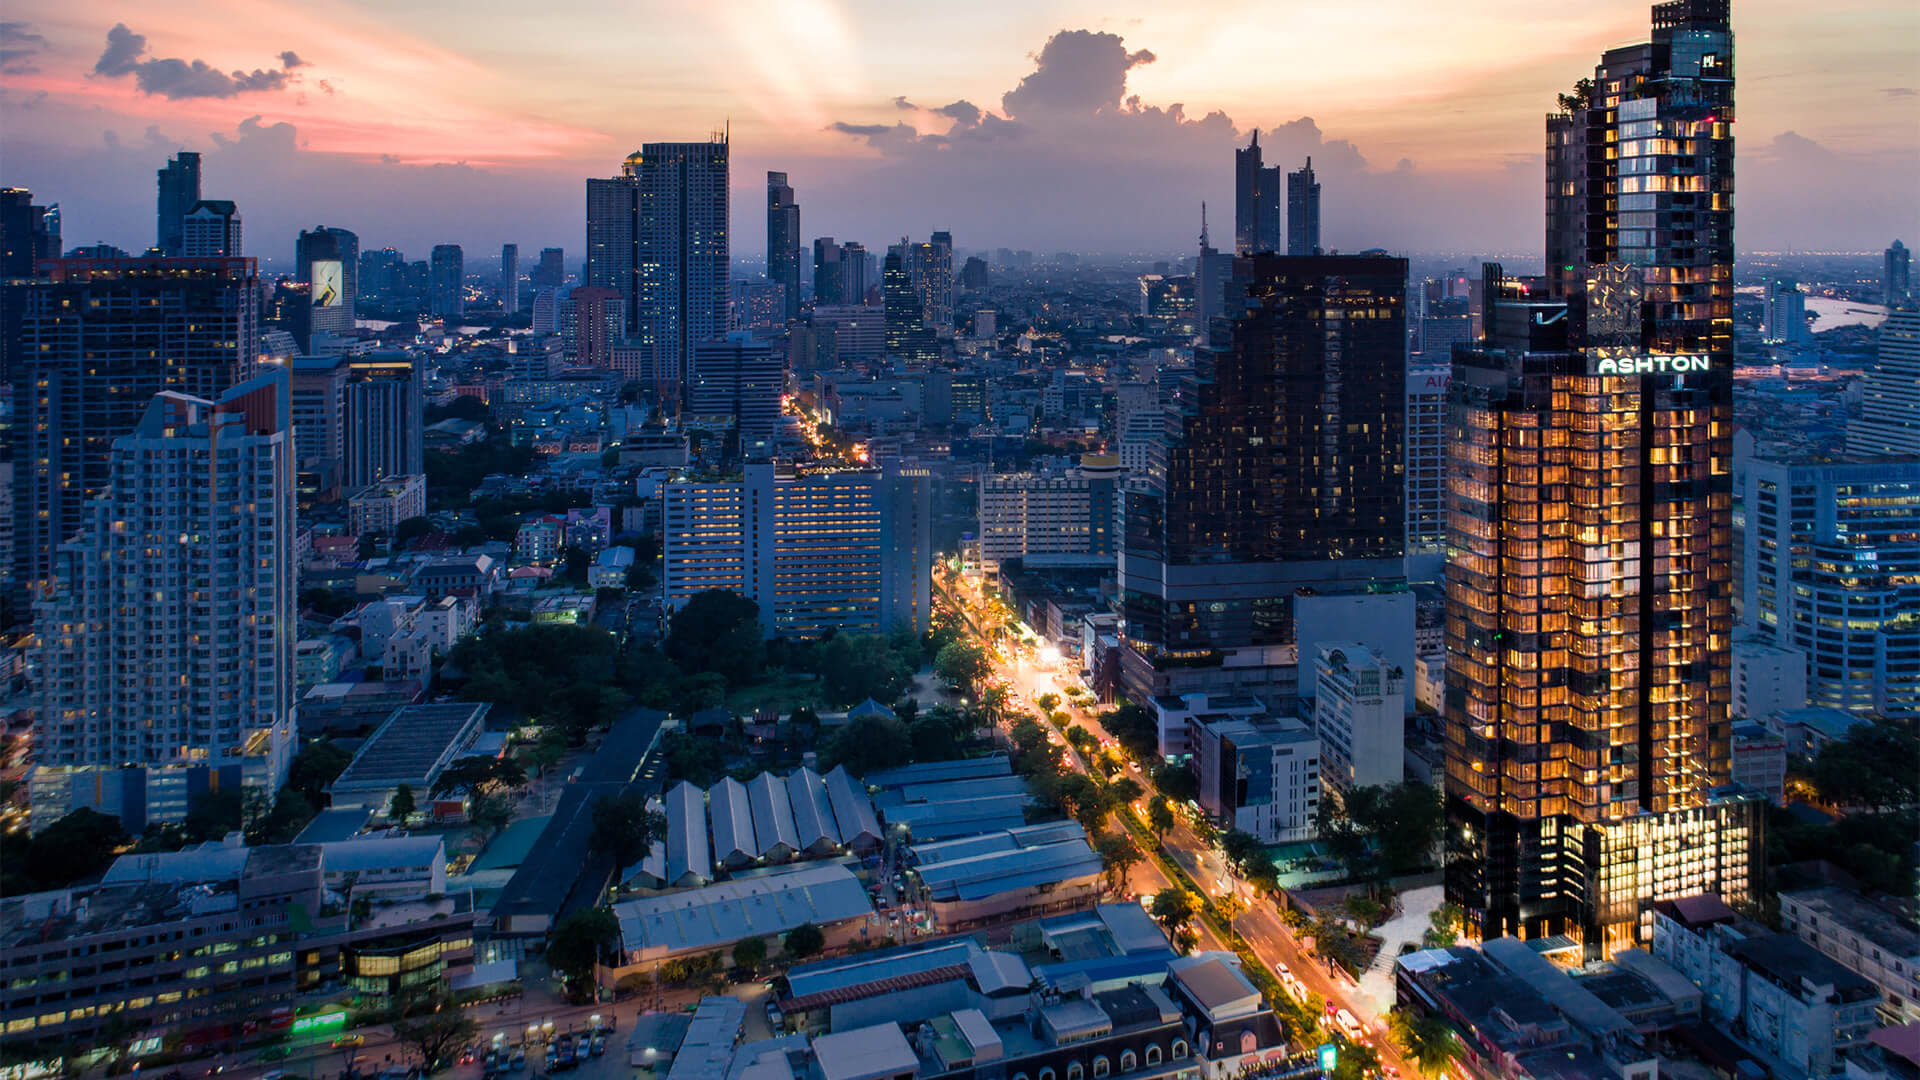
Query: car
x: 599, y: 1045
x: 274, y: 1074
x: 583, y: 1047
x: 774, y: 1017
x: 1146, y: 901
x: 1349, y: 1026
x: 1281, y: 967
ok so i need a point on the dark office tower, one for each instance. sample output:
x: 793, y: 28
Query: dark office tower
x: 384, y: 399
x: 1589, y: 592
x: 1256, y: 202
x: 1284, y: 488
x: 1896, y: 278
x: 447, y: 285
x: 908, y: 337
x: 592, y: 321
x: 973, y: 273
x: 613, y: 224
x: 829, y: 279
x: 551, y: 271
x: 783, y: 241
x: 179, y: 190
x: 1211, y: 270
x: 856, y: 273
x: 741, y: 378
x: 1303, y: 212
x: 681, y: 244
x: 28, y: 234
x: 509, y: 278
x: 99, y: 338
x: 381, y: 273
x: 930, y: 266
x: 329, y: 260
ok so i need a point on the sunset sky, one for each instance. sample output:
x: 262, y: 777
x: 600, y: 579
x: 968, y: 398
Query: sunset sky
x: 416, y: 122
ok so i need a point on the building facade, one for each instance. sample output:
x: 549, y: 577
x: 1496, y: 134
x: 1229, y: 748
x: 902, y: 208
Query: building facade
x: 101, y: 337
x: 741, y: 378
x: 1589, y: 592
x: 1260, y: 777
x: 1832, y: 566
x: 1426, y: 457
x: 1256, y: 202
x: 328, y: 259
x: 1359, y: 712
x: 168, y: 665
x: 1303, y: 212
x: 783, y: 242
x: 1075, y: 512
x: 212, y: 230
x: 179, y: 189
x: 447, y: 281
x: 849, y: 550
x: 1889, y: 421
x: 383, y: 403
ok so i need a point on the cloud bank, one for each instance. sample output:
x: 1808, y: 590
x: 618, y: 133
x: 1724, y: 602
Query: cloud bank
x: 174, y: 79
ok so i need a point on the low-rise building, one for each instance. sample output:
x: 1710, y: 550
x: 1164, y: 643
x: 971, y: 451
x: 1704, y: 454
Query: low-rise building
x: 1259, y: 777
x: 1175, y: 715
x: 656, y: 929
x: 1767, y: 678
x: 1359, y: 712
x: 1760, y: 761
x: 413, y: 747
x: 609, y: 569
x: 1019, y: 872
x: 385, y: 503
x: 1864, y: 937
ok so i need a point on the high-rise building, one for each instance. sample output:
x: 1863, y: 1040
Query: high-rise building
x: 1445, y: 321
x: 447, y: 287
x: 1889, y: 421
x: 1427, y: 470
x: 930, y: 267
x: 380, y: 273
x: 829, y: 279
x: 1210, y: 273
x: 1589, y: 597
x: 783, y: 241
x: 973, y: 273
x: 1284, y: 493
x: 384, y: 399
x: 1832, y: 568
x: 551, y: 271
x: 856, y: 273
x: 908, y: 336
x: 658, y: 234
x: 101, y: 337
x: 593, y: 319
x: 1786, y: 321
x: 847, y: 551
x: 741, y: 378
x: 1256, y: 202
x: 179, y: 185
x: 1896, y: 276
x: 1303, y: 212
x: 1167, y: 297
x: 1071, y: 512
x: 167, y: 663
x: 1359, y: 712
x: 329, y: 260
x: 509, y: 279
x: 317, y: 390
x: 211, y: 230
x: 28, y: 234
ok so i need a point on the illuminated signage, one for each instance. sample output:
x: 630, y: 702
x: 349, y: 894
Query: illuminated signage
x: 318, y: 1021
x: 1649, y: 365
x: 329, y: 283
x: 1329, y: 1056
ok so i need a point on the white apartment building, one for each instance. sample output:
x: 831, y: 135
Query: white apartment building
x: 1359, y: 712
x: 385, y: 503
x: 1863, y: 938
x: 1767, y: 678
x: 1427, y: 470
x: 167, y: 638
x: 1260, y: 777
x: 1074, y: 512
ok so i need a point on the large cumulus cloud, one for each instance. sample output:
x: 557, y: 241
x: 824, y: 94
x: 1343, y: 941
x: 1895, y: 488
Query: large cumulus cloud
x: 174, y: 79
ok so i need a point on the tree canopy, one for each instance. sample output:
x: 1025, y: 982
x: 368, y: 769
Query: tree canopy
x: 624, y: 827
x: 577, y: 942
x: 855, y: 667
x: 1877, y: 766
x: 718, y: 631
x: 1174, y: 907
x: 963, y: 665
x: 74, y: 848
x: 805, y: 940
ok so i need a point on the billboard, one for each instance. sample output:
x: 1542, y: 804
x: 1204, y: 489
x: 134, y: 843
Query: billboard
x: 329, y: 283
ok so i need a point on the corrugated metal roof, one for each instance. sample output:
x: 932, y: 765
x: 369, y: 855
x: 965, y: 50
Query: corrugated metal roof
x: 934, y: 771
x: 773, y: 828
x: 812, y: 810
x: 992, y: 872
x: 687, y: 850
x: 855, y: 971
x: 852, y: 810
x: 717, y: 915
x: 731, y: 818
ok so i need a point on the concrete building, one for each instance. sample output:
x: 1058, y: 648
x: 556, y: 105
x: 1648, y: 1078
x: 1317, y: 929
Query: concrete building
x: 1760, y: 761
x: 1260, y: 778
x: 1359, y: 712
x: 149, y: 692
x: 385, y: 503
x: 593, y: 319
x: 447, y: 282
x: 1023, y: 871
x: 1426, y: 455
x: 1175, y: 717
x: 1832, y: 568
x: 1767, y: 678
x: 1786, y: 316
x: 1800, y: 1012
x: 660, y: 928
x: 413, y: 747
x: 743, y: 379
x: 212, y: 230
x: 1074, y: 512
x: 383, y: 432
x: 318, y: 390
x: 1889, y: 420
x: 847, y: 549
x: 1865, y: 938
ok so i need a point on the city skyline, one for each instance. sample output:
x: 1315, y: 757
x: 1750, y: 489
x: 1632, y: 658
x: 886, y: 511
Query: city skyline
x: 1031, y: 113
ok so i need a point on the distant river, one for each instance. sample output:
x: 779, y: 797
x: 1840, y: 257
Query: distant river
x: 1834, y: 314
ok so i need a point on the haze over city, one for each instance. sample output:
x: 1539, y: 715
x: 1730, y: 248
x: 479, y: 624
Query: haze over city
x: 1077, y: 126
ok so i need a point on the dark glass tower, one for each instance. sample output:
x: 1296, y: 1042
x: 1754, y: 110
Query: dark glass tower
x: 783, y: 241
x: 1287, y: 473
x: 1256, y: 202
x: 1303, y: 212
x: 1589, y: 593
x: 908, y: 336
x: 179, y: 189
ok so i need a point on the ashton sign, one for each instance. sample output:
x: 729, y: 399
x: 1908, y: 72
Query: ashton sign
x: 1649, y: 365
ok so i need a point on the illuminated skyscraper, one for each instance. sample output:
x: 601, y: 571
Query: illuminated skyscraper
x: 329, y: 259
x: 1889, y: 421
x: 1256, y: 202
x: 681, y: 242
x: 783, y: 240
x: 1589, y: 593
x: 1303, y: 212
x: 908, y: 335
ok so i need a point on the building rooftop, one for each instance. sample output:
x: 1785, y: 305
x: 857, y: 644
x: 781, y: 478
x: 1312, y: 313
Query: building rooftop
x: 708, y: 1045
x: 413, y: 745
x: 868, y: 1053
x: 1557, y: 987
x: 937, y: 771
x: 1856, y: 913
x: 1794, y: 964
x: 749, y: 907
x: 1220, y: 991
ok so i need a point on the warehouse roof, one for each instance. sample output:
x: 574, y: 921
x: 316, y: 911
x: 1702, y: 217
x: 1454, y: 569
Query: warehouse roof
x: 932, y: 771
x: 750, y: 907
x: 773, y: 826
x: 413, y: 745
x: 852, y: 810
x: 812, y: 809
x: 687, y: 851
x: 731, y: 818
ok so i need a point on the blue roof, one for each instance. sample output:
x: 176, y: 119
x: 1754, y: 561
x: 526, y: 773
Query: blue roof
x: 934, y: 771
x: 1104, y: 968
x: 873, y: 967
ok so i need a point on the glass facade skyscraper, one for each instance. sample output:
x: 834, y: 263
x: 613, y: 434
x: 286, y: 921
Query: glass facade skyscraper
x: 1256, y: 202
x: 1589, y: 592
x: 783, y: 241
x: 1303, y: 212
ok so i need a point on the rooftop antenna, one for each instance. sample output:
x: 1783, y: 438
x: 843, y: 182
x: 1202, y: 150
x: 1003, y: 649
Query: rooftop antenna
x: 1203, y: 225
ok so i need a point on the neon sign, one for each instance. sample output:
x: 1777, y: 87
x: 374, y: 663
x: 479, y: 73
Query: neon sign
x: 1649, y: 365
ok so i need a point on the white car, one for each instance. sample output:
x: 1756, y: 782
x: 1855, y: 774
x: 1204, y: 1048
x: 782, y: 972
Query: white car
x: 1349, y: 1026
